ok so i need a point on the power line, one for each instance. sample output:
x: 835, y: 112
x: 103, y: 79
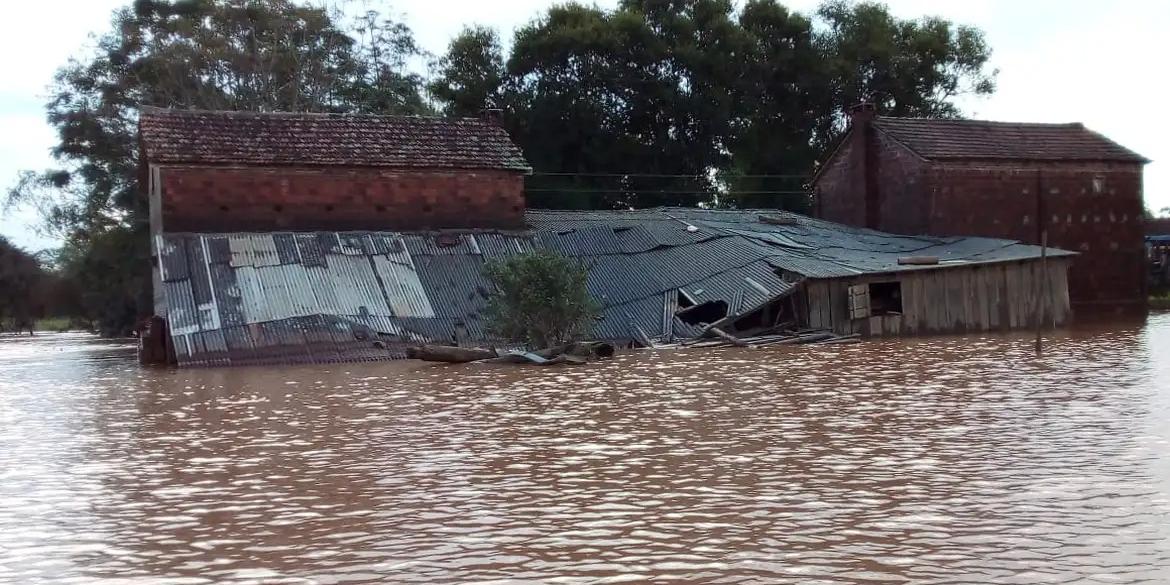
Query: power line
x: 667, y: 192
x: 667, y: 176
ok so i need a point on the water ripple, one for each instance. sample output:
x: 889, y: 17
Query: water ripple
x: 943, y: 460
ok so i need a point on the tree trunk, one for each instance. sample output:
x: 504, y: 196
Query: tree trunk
x: 449, y: 354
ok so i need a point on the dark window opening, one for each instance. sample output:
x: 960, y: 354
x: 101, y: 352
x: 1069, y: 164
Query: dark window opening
x: 427, y: 208
x: 278, y: 208
x: 776, y: 315
x: 328, y: 208
x: 885, y: 298
x: 708, y: 312
x: 380, y: 208
x: 223, y: 208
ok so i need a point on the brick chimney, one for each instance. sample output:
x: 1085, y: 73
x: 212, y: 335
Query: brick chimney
x: 863, y: 152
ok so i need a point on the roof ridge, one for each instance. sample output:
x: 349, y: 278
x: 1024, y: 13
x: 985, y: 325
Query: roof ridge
x: 291, y: 114
x: 974, y: 122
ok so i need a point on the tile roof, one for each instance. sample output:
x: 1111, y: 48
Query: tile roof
x: 320, y: 297
x: 982, y: 140
x: 253, y: 138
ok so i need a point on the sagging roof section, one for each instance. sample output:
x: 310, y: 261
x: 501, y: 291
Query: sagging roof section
x: 310, y: 139
x: 938, y: 139
x: 326, y: 296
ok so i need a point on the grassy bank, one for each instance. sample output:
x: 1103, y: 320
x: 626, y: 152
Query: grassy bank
x: 1161, y: 303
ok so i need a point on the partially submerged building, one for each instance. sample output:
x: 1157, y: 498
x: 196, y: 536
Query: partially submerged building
x: 324, y: 292
x: 999, y: 180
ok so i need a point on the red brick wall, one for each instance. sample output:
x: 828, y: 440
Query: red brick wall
x: 902, y: 188
x: 839, y: 188
x: 898, y: 183
x: 1091, y: 208
x: 254, y: 199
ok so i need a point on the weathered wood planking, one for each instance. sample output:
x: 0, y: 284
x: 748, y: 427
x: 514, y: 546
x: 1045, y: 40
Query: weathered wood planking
x: 947, y: 300
x: 839, y: 307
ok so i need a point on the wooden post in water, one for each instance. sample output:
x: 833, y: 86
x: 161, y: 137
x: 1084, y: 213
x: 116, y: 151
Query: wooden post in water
x: 1042, y: 229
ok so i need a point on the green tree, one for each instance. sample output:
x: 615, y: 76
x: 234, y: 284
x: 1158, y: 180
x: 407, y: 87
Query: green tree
x: 469, y: 78
x: 259, y: 55
x: 22, y: 284
x: 693, y: 101
x: 541, y: 299
x: 904, y: 67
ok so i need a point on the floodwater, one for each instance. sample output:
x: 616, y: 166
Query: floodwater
x: 940, y: 460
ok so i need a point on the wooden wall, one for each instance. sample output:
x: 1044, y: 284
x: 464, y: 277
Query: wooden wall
x: 948, y: 299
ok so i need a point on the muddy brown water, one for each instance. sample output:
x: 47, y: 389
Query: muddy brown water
x: 941, y: 460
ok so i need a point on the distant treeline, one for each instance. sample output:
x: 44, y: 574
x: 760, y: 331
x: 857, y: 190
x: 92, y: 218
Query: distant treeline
x: 31, y: 291
x: 655, y: 102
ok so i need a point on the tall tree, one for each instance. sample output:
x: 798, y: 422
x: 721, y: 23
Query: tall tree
x: 470, y: 76
x: 904, y: 67
x: 258, y: 55
x: 686, y: 101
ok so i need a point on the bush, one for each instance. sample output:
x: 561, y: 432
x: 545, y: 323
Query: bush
x: 541, y: 299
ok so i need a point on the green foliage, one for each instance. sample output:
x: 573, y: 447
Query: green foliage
x: 541, y: 299
x: 469, y: 77
x: 258, y: 55
x: 20, y: 278
x: 106, y: 279
x: 670, y: 102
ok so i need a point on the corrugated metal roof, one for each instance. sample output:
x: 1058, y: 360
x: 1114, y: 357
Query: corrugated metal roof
x: 324, y: 297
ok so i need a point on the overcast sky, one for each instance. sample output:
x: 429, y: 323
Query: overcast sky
x: 1058, y: 60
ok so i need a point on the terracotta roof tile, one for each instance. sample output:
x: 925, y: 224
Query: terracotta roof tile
x: 250, y: 138
x: 977, y: 139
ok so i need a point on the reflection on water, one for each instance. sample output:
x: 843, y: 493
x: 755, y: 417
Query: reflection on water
x: 946, y: 460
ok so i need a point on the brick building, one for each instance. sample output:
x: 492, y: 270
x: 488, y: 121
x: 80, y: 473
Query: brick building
x: 247, y: 171
x: 1002, y: 180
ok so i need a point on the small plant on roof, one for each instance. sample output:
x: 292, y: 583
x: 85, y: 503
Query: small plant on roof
x: 541, y: 299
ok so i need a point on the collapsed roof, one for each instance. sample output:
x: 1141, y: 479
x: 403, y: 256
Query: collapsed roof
x: 322, y: 296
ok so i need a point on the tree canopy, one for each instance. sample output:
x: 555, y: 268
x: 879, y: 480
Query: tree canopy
x: 22, y: 282
x: 695, y: 101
